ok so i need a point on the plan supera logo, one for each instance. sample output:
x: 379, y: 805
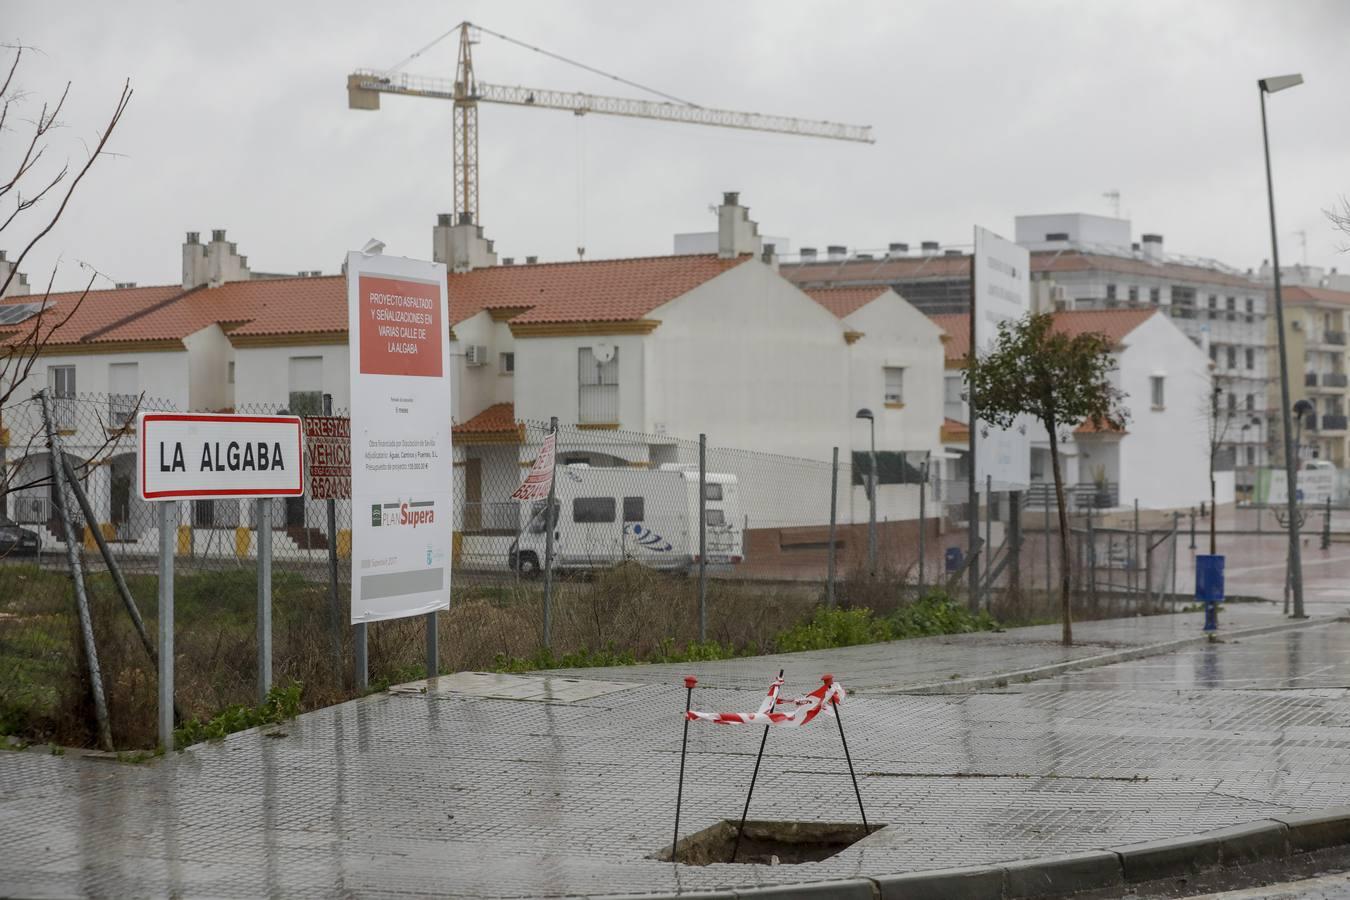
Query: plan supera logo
x: 409, y: 513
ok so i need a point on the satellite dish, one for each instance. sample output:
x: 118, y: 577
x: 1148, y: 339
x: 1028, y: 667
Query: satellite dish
x: 603, y: 352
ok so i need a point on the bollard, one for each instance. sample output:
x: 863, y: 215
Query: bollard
x: 1209, y: 587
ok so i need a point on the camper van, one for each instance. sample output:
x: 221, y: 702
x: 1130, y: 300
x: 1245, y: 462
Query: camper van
x: 605, y: 516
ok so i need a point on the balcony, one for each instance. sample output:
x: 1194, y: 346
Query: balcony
x: 1334, y: 337
x: 1330, y: 422
x: 1310, y: 379
x: 1335, y: 379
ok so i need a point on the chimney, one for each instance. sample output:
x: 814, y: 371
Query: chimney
x: 897, y: 250
x: 212, y: 264
x: 124, y: 285
x: 952, y: 253
x: 531, y: 260
x: 1153, y: 246
x: 837, y: 253
x: 1057, y: 236
x: 737, y: 234
x: 808, y: 254
x: 863, y: 256
x: 930, y: 248
x: 461, y: 246
x: 508, y: 260
x: 18, y: 285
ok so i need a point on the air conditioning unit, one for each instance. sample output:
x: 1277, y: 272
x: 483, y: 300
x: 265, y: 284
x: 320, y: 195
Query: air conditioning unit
x: 475, y: 355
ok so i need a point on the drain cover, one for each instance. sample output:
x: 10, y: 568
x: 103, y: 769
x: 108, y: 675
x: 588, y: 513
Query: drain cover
x: 767, y: 843
x: 529, y: 688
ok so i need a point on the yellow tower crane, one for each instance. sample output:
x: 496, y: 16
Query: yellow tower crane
x: 364, y: 87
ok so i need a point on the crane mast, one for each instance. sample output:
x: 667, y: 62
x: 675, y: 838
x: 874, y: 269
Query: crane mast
x: 364, y: 87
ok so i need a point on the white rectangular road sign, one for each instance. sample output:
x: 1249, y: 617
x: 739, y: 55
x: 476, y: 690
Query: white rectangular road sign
x: 402, y: 474
x: 205, y: 455
x: 1002, y: 294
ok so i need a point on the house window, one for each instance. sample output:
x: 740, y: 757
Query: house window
x: 598, y: 385
x: 62, y: 380
x: 1134, y: 293
x: 229, y: 372
x: 632, y: 509
x: 1251, y: 456
x: 1154, y: 295
x: 305, y: 397
x: 1214, y: 353
x: 1156, y: 384
x: 951, y: 389
x: 506, y: 363
x: 1110, y: 292
x: 1250, y: 354
x: 1232, y: 357
x: 593, y: 509
x: 1232, y: 403
x: 1251, y: 403
x: 712, y: 492
x: 715, y: 518
x: 895, y: 386
x: 1213, y: 301
x: 1230, y: 304
x: 123, y: 391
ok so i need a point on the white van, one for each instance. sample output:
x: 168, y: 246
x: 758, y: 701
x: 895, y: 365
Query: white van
x: 605, y: 516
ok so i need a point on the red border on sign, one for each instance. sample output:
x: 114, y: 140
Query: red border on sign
x: 227, y: 492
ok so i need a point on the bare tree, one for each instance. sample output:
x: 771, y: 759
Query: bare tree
x: 35, y: 191
x: 1339, y: 215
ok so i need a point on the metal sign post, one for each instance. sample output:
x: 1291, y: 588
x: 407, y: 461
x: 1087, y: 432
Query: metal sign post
x: 206, y: 456
x: 168, y: 516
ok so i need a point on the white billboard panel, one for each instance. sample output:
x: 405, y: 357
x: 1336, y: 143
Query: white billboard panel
x: 401, y: 463
x: 1002, y: 294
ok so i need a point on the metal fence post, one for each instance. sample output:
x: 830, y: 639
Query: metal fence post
x: 988, y: 540
x: 1134, y: 550
x: 923, y: 524
x: 1192, y: 528
x: 56, y: 453
x: 702, y: 538
x: 334, y: 603
x: 433, y: 648
x: 551, y: 521
x: 1326, y: 527
x: 1015, y: 543
x: 834, y: 500
x: 168, y: 510
x: 264, y: 513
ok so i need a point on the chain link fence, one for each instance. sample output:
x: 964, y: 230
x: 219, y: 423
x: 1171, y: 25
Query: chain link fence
x: 634, y: 575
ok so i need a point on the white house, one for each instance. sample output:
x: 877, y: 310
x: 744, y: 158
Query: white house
x: 1161, y: 458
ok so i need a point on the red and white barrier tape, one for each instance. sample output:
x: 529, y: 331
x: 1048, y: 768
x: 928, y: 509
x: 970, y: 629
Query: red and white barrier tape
x: 822, y: 699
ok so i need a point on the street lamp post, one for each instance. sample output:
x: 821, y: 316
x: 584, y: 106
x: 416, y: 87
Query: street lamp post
x: 1294, y: 562
x: 865, y: 413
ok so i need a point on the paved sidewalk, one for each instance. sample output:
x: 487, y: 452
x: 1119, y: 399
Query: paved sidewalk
x: 449, y: 794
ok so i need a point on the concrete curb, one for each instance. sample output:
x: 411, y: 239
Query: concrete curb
x: 1008, y: 679
x: 1276, y: 838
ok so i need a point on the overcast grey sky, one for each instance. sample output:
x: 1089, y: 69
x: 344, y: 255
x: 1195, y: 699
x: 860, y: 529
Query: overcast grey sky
x: 981, y: 110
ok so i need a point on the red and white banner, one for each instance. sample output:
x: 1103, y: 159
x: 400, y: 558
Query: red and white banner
x: 537, y: 483
x: 822, y: 699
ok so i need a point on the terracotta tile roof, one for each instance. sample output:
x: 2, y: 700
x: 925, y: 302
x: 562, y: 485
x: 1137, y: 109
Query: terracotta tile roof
x: 880, y: 271
x: 953, y: 430
x: 499, y: 418
x: 845, y: 301
x: 957, y: 328
x: 99, y: 312
x: 948, y: 267
x: 284, y: 305
x: 610, y: 290
x: 1107, y: 428
x: 1300, y: 295
x: 1114, y: 324
x: 1079, y: 261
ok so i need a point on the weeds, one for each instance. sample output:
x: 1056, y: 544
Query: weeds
x: 282, y: 703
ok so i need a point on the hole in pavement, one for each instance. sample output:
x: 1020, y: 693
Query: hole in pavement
x: 767, y: 843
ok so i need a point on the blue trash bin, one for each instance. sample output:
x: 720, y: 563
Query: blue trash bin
x: 1209, y: 587
x: 953, y: 558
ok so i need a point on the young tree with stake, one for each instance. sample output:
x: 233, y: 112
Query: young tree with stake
x: 1061, y: 381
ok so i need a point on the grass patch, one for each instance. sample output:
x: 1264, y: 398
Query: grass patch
x: 282, y: 703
